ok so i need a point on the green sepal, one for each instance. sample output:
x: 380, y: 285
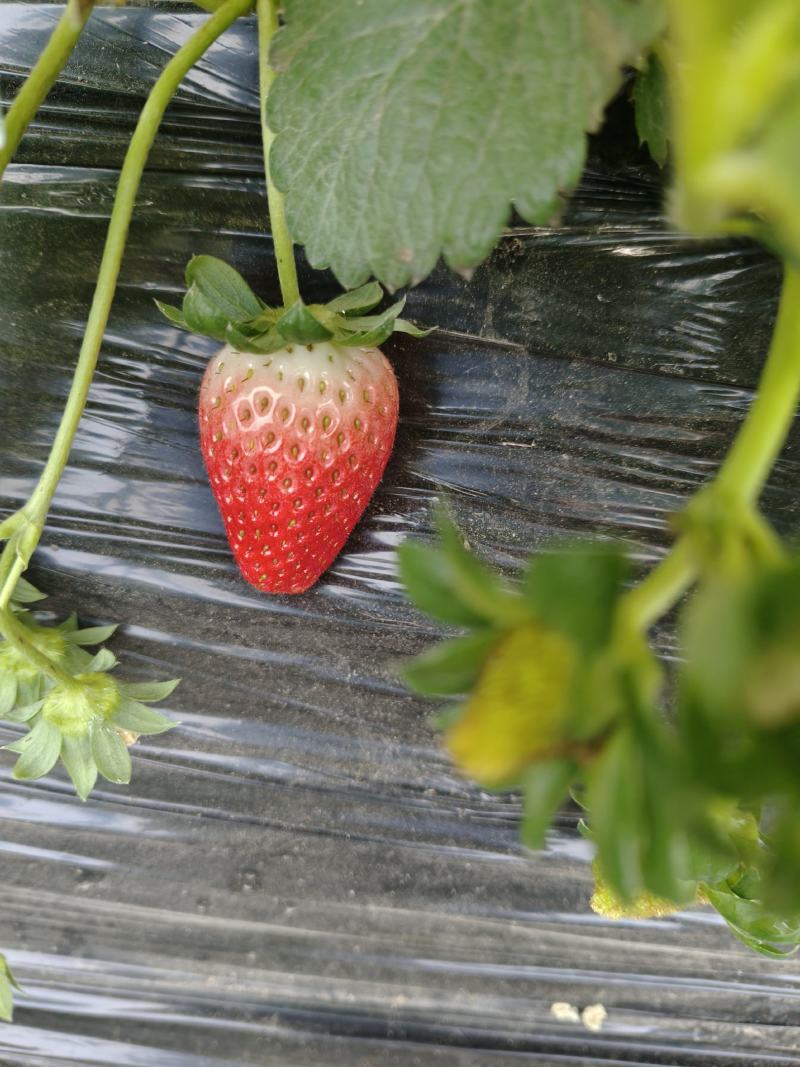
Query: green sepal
x: 140, y: 719
x: 421, y: 573
x: 25, y: 593
x: 111, y: 755
x: 446, y: 717
x: 220, y: 304
x: 356, y: 301
x: 8, y: 693
x: 451, y: 584
x: 23, y: 712
x: 451, y: 667
x: 76, y: 755
x: 575, y: 590
x: 217, y: 295
x: 30, y: 690
x: 175, y: 315
x: 149, y: 691
x: 8, y: 984
x: 104, y: 660
x: 38, y: 751
x: 92, y: 635
x: 545, y: 785
x: 299, y: 325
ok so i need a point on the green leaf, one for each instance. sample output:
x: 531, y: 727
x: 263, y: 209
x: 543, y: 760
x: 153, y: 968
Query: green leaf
x: 736, y: 96
x: 38, y: 751
x: 217, y: 296
x: 451, y: 667
x: 358, y: 300
x: 444, y: 113
x: 576, y: 591
x: 545, y: 786
x: 76, y: 753
x: 92, y: 635
x: 269, y: 340
x: 299, y: 325
x: 8, y: 693
x: 111, y: 754
x: 140, y: 719
x: 651, y: 101
x: 149, y: 691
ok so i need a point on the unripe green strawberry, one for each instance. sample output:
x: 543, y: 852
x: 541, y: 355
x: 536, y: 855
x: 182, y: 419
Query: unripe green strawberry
x: 295, y: 443
x: 518, y: 709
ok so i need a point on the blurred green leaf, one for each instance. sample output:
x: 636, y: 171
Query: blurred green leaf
x: 575, y: 590
x: 427, y: 581
x: 451, y: 667
x: 736, y: 95
x: 651, y: 101
x: 545, y: 786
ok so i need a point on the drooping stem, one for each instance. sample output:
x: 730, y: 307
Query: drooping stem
x: 663, y: 587
x: 284, y: 255
x: 40, y: 80
x: 747, y: 466
x: 770, y: 417
x: 35, y: 511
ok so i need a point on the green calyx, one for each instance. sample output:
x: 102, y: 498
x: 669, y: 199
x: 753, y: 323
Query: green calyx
x: 220, y: 304
x: 76, y: 708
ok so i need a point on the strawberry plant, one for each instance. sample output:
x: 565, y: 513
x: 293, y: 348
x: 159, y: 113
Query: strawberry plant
x: 446, y: 115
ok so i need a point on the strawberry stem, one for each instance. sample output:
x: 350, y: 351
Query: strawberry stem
x: 746, y: 468
x: 19, y: 547
x: 40, y: 80
x: 267, y: 12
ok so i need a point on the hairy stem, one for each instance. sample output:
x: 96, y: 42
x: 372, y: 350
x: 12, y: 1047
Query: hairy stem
x: 40, y: 80
x: 747, y: 466
x: 130, y: 177
x: 284, y: 255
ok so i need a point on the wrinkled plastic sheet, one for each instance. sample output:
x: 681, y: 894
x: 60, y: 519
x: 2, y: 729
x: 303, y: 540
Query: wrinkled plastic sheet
x: 296, y: 875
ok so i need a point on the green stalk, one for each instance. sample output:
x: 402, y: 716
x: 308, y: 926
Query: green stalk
x: 267, y: 11
x: 746, y: 468
x: 35, y: 511
x: 40, y: 80
x: 770, y: 417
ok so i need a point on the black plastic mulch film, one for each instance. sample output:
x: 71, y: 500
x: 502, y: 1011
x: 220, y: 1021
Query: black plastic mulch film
x: 296, y: 875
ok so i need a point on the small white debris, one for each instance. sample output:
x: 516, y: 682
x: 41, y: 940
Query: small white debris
x: 565, y: 1013
x: 593, y: 1017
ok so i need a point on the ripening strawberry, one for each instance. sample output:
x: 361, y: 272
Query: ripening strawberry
x: 298, y: 413
x: 295, y: 443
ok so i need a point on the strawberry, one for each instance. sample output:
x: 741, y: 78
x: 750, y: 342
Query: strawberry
x: 298, y: 413
x: 295, y: 443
